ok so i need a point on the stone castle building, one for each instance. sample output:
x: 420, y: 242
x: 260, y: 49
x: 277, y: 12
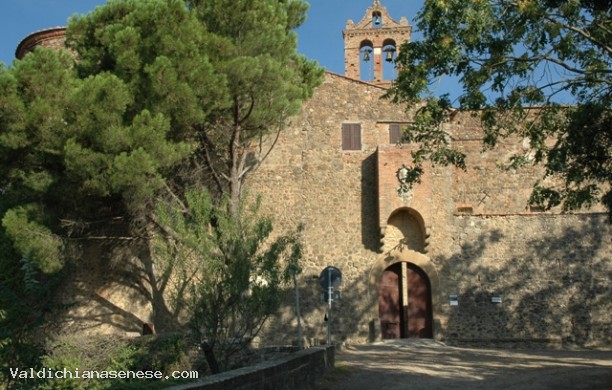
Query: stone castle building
x: 459, y: 256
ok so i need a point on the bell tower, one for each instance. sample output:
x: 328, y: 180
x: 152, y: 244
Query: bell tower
x: 371, y: 46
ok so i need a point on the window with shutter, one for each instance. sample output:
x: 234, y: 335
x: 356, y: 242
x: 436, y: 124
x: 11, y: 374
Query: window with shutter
x: 351, y: 136
x: 395, y: 134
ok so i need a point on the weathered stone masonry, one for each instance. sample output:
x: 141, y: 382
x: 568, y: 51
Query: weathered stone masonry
x: 511, y: 272
x: 515, y: 273
x: 52, y: 38
x: 472, y: 230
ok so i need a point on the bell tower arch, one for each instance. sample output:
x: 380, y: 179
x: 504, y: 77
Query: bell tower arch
x: 371, y: 46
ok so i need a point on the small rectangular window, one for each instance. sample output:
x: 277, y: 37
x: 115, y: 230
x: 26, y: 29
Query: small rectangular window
x: 396, y: 134
x: 351, y: 136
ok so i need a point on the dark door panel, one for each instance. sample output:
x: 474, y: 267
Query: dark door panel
x: 399, y: 319
x: 419, y: 303
x: 389, y: 302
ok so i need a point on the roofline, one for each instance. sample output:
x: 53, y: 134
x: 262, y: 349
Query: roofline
x: 357, y: 80
x: 36, y: 37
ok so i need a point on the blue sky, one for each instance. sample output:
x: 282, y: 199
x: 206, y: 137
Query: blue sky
x: 320, y: 37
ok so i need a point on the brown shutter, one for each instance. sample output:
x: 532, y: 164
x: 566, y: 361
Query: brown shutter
x: 351, y: 136
x: 395, y: 133
x: 346, y: 136
x: 356, y: 137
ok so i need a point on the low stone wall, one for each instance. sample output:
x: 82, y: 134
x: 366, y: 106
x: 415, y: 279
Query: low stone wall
x: 299, y: 370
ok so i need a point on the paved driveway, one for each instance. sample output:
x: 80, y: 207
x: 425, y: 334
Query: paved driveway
x: 427, y: 364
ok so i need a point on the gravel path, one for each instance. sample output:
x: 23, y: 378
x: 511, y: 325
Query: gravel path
x: 428, y: 364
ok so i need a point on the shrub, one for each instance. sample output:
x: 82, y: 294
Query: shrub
x: 165, y: 353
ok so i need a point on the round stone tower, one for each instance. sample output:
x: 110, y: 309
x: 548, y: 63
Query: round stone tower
x: 371, y: 46
x: 52, y: 38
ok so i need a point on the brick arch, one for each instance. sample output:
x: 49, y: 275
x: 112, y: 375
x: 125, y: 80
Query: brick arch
x: 389, y: 48
x: 389, y: 42
x: 366, y: 43
x: 412, y: 212
x: 405, y: 227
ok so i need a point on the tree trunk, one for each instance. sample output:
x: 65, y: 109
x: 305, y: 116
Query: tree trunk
x: 235, y: 190
x: 236, y: 162
x: 162, y: 317
x: 209, y: 354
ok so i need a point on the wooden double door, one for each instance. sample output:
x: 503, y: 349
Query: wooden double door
x: 404, y: 302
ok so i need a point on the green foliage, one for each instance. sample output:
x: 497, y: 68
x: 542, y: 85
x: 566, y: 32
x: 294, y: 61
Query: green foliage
x: 166, y: 353
x: 24, y: 301
x: 241, y: 269
x: 78, y: 146
x: 153, y: 98
x: 24, y: 289
x: 34, y: 239
x: 509, y: 56
x: 159, y: 50
x: 264, y: 79
x: 69, y: 153
x: 163, y: 95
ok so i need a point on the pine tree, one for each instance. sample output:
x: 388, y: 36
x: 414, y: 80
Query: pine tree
x: 152, y: 97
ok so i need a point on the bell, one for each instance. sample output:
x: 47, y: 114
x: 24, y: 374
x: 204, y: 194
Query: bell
x: 366, y: 55
x: 377, y: 20
x: 389, y: 56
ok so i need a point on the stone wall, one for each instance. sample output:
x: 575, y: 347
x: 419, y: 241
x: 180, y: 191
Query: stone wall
x: 52, y: 38
x: 472, y: 231
x: 550, y: 270
x: 309, y: 179
x: 552, y: 274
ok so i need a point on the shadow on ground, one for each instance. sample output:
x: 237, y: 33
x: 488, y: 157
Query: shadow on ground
x: 428, y: 364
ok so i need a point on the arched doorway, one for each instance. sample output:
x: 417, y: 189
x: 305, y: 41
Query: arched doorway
x: 404, y: 302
